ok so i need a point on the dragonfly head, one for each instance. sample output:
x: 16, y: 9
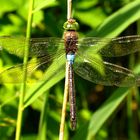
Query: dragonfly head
x: 71, y: 25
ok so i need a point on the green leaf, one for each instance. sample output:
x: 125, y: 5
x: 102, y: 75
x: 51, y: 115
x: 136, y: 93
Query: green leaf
x: 8, y: 6
x: 54, y: 74
x: 86, y: 4
x: 29, y: 137
x: 92, y: 17
x: 44, y: 4
x: 38, y: 17
x: 118, y: 21
x: 105, y: 111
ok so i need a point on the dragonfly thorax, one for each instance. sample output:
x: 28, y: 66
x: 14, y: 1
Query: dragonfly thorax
x: 71, y: 39
x: 71, y: 36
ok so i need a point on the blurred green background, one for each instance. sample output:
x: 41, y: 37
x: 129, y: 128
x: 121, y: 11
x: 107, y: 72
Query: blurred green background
x: 103, y: 113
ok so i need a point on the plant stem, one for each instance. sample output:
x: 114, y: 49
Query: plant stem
x: 129, y: 101
x: 69, y: 6
x: 23, y: 88
x: 43, y: 120
x: 129, y: 114
x: 62, y: 125
x: 66, y: 92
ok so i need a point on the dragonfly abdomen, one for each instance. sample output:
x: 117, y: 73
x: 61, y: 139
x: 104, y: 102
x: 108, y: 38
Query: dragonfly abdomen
x: 72, y: 99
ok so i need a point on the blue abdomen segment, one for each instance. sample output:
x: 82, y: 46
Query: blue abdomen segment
x: 70, y: 58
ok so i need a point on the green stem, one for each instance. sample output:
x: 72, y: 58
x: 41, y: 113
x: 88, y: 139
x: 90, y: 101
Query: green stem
x: 69, y: 6
x: 129, y: 101
x: 65, y: 98
x: 138, y: 27
x: 43, y: 120
x: 129, y: 114
x: 23, y: 89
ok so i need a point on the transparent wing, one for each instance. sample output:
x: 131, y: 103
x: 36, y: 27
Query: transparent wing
x: 43, y: 52
x: 110, y: 47
x: 37, y: 46
x: 37, y: 70
x: 104, y: 73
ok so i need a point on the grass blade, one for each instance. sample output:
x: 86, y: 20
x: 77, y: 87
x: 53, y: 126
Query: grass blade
x: 118, y: 21
x: 55, y: 73
x: 23, y: 88
x: 105, y: 111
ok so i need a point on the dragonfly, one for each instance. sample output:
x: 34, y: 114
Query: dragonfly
x: 83, y: 56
